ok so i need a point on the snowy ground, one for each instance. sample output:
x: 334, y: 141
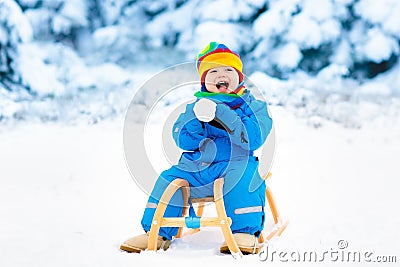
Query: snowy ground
x: 67, y: 198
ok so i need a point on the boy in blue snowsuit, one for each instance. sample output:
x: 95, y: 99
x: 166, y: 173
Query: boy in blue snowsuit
x: 220, y: 132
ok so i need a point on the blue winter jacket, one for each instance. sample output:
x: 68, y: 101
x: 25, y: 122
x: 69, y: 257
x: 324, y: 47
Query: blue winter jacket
x: 241, y: 125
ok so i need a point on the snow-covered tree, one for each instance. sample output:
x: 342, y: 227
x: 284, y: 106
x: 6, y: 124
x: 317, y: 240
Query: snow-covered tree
x: 313, y: 34
x: 55, y: 51
x: 60, y: 20
x: 14, y: 31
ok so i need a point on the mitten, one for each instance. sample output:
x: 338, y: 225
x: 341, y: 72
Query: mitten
x: 227, y: 117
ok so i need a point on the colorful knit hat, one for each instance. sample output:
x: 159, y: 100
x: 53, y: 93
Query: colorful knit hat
x: 217, y: 55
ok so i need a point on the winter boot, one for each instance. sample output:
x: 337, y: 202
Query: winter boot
x: 138, y: 243
x: 247, y: 243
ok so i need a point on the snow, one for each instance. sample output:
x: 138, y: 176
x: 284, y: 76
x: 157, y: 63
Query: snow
x: 375, y: 88
x: 169, y: 19
x: 331, y: 30
x: 289, y: 56
x: 28, y: 3
x: 41, y: 77
x: 68, y: 199
x: 111, y: 10
x: 3, y: 36
x: 306, y: 32
x: 275, y: 93
x: 215, y: 10
x: 224, y: 32
x: 379, y: 47
x: 225, y: 10
x: 75, y: 11
x: 319, y: 10
x: 12, y: 16
x: 8, y: 107
x: 39, y: 19
x: 69, y: 68
x: 391, y: 24
x: 342, y: 54
x: 71, y: 15
x: 380, y: 44
x: 106, y: 36
x: 376, y: 12
x: 319, y: 42
x: 275, y: 20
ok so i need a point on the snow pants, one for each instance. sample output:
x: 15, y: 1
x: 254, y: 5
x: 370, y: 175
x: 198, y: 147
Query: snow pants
x: 244, y: 194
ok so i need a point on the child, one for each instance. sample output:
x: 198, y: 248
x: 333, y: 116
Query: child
x: 220, y: 131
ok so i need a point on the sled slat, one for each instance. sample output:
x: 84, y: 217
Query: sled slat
x: 204, y: 199
x: 204, y: 221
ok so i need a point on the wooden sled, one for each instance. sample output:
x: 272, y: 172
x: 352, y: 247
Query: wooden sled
x: 222, y: 220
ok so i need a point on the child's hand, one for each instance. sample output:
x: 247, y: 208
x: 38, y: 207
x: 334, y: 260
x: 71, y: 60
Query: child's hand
x: 227, y: 117
x: 204, y: 109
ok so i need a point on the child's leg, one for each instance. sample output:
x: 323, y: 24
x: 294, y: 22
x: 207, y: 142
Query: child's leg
x: 244, y: 197
x: 174, y: 208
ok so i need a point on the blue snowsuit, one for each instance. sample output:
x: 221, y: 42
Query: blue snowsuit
x: 222, y: 147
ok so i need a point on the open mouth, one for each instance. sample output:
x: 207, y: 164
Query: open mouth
x: 222, y: 85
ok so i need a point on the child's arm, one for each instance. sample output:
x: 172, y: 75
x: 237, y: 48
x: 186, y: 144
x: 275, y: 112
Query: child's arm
x: 188, y: 131
x: 251, y: 128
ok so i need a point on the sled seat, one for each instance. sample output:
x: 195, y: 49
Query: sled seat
x: 194, y: 223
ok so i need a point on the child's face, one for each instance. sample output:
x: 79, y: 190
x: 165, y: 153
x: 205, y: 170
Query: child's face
x: 222, y: 80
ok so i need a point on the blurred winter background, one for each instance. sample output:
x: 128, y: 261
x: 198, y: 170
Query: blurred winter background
x: 329, y: 69
x: 81, y: 61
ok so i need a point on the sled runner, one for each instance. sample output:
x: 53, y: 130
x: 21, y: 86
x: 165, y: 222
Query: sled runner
x: 195, y: 220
